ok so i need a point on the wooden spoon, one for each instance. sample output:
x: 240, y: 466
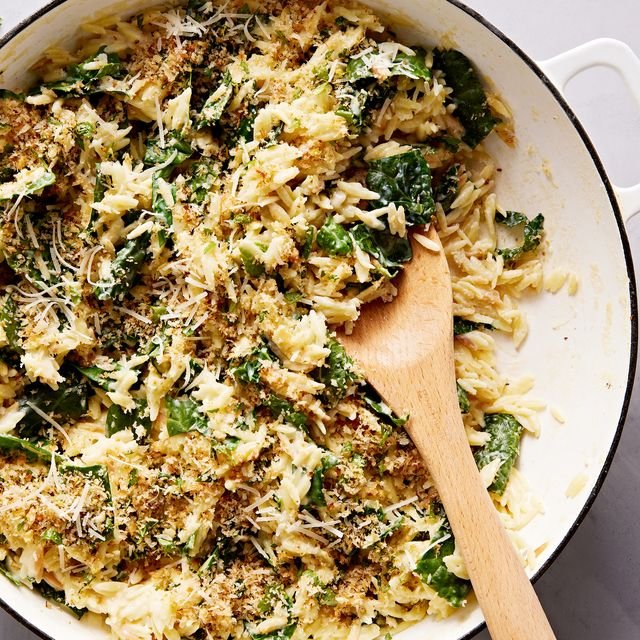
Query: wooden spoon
x: 406, y: 352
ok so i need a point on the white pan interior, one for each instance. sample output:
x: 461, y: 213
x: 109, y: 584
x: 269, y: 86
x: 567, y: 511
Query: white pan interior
x: 580, y: 349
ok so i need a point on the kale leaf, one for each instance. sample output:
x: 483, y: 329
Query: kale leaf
x: 375, y: 403
x: 252, y: 266
x: 410, y: 66
x: 280, y: 407
x: 504, y: 443
x: 389, y: 250
x: 214, y: 106
x: 249, y: 370
x: 337, y: 373
x: 446, y: 190
x: 35, y: 452
x: 334, y: 238
x: 10, y: 324
x: 462, y: 326
x: 433, y: 571
x: 176, y: 150
x: 136, y: 419
x: 357, y: 101
x: 83, y: 78
x: 183, y: 416
x: 203, y: 175
x: 315, y: 495
x: 68, y: 401
x: 20, y: 187
x: 532, y: 234
x: 463, y: 399
x: 124, y: 269
x: 404, y: 180
x: 467, y: 94
x: 58, y: 597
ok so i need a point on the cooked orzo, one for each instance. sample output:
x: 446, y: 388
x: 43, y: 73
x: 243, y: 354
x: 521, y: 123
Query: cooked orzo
x: 194, y: 200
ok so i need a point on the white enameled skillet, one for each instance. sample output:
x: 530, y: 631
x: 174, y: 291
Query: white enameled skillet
x: 581, y: 349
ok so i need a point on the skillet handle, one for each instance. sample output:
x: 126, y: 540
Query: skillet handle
x: 609, y: 53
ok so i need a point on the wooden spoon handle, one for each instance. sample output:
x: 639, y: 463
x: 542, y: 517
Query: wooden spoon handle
x: 509, y: 603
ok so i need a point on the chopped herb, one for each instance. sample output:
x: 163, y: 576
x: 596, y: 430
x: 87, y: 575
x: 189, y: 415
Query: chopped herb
x: 403, y: 180
x: 252, y: 266
x: 504, y: 443
x: 376, y: 404
x: 51, y: 535
x: 309, y: 237
x: 133, y: 478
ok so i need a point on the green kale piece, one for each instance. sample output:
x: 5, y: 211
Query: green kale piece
x: 83, y: 78
x: 377, y: 405
x: 280, y: 407
x: 410, y: 66
x: 137, y: 419
x: 215, y: 105
x: 337, y: 373
x: 504, y: 443
x: 446, y: 190
x: 462, y: 326
x: 59, y: 598
x: 334, y: 238
x: 532, y: 234
x: 467, y: 94
x: 175, y: 151
x: 183, y: 415
x: 249, y: 370
x: 124, y: 269
x: 83, y: 131
x: 204, y: 173
x: 404, y: 180
x: 315, y: 495
x: 433, y: 571
x: 389, y: 250
x: 10, y: 323
x: 252, y: 266
x: 68, y: 401
x: 463, y: 399
x: 10, y: 190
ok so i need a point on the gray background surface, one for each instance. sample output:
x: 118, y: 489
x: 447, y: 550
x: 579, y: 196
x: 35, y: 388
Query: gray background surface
x: 592, y: 592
